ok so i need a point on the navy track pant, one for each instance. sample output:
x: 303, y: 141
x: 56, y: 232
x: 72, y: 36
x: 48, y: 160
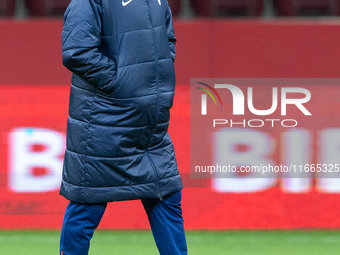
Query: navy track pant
x: 165, y: 219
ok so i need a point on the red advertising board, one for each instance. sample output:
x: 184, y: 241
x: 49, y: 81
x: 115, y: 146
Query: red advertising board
x: 32, y: 127
x: 33, y: 113
x: 271, y: 171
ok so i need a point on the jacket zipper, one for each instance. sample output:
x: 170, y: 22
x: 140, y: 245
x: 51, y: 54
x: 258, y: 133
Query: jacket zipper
x: 158, y: 103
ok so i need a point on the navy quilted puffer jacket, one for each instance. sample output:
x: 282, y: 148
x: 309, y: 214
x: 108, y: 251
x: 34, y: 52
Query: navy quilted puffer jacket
x: 121, y: 53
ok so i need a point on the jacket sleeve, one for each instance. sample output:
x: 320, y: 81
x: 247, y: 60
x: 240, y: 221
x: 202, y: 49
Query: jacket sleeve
x: 81, y: 40
x: 170, y: 32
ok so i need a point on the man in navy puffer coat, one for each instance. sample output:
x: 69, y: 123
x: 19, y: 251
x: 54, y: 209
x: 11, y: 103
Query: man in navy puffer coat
x: 121, y: 53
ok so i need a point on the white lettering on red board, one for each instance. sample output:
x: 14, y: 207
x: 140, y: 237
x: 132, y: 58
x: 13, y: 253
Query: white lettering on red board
x: 23, y: 159
x: 296, y: 150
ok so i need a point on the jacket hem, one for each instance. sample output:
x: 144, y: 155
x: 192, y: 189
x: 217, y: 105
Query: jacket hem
x: 95, y: 195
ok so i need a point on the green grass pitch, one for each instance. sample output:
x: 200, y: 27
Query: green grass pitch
x: 199, y: 242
